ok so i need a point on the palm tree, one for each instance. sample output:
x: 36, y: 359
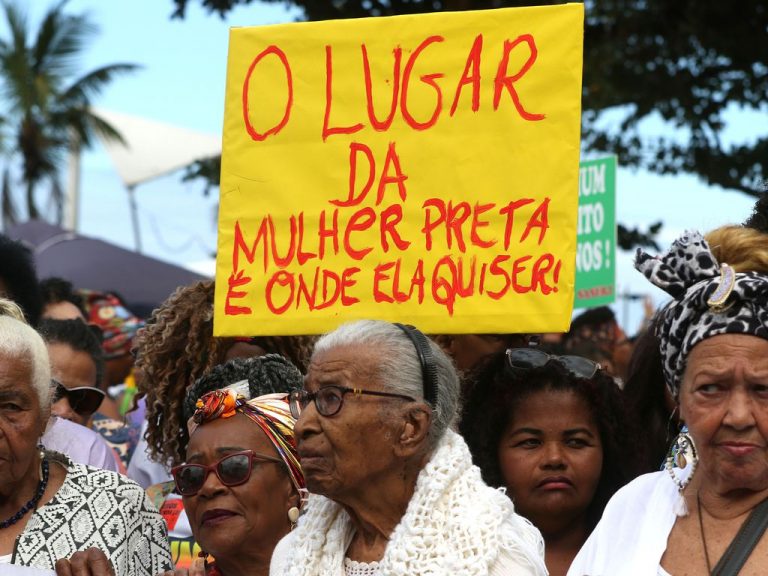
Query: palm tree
x: 47, y: 105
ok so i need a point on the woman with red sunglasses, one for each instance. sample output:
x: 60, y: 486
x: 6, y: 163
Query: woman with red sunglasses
x: 241, y: 484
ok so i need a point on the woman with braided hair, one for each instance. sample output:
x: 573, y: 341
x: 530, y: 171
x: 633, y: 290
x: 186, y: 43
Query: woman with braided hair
x: 176, y: 348
x: 252, y: 377
x: 241, y: 429
x: 241, y: 486
x: 252, y: 499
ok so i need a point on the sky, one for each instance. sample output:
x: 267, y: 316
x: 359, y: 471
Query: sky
x: 181, y: 82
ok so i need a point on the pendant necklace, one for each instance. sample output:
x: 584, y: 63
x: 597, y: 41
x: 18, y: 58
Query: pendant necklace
x: 703, y: 538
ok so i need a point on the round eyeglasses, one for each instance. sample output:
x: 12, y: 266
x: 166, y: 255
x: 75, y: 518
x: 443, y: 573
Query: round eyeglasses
x: 329, y: 399
x: 231, y: 470
x: 530, y: 358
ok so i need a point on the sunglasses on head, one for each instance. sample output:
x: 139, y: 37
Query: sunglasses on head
x: 521, y: 359
x: 84, y: 400
x: 231, y: 470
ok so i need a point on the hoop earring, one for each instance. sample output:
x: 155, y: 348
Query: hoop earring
x: 681, y: 454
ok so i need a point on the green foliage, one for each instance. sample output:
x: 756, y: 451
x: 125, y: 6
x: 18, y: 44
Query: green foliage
x: 46, y: 105
x: 208, y: 170
x: 629, y: 238
x: 684, y: 62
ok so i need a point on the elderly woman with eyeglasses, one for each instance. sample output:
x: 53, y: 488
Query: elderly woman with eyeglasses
x: 707, y: 512
x: 553, y: 432
x: 241, y: 484
x: 50, y: 507
x: 392, y: 486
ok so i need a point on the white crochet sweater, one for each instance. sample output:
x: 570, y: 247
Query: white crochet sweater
x: 454, y: 524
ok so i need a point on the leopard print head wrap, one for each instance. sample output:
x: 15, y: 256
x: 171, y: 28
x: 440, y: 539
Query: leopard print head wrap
x: 710, y: 298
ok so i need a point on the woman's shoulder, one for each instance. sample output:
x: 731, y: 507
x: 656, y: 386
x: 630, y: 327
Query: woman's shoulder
x: 642, y: 487
x: 633, y: 530
x: 96, y: 483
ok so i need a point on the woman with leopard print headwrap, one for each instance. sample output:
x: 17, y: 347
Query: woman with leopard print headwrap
x: 696, y: 516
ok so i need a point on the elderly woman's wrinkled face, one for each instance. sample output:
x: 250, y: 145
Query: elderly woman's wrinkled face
x: 341, y: 453
x: 227, y: 520
x: 21, y: 420
x: 724, y: 402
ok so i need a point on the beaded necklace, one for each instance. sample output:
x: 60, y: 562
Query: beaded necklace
x: 32, y: 502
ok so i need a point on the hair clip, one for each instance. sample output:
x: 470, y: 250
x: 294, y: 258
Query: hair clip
x: 719, y: 297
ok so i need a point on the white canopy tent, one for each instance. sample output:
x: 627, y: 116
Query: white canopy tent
x: 151, y: 149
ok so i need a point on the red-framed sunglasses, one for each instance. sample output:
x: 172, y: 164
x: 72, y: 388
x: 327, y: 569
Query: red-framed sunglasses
x: 231, y: 470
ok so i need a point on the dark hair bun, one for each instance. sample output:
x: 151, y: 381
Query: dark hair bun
x: 265, y: 375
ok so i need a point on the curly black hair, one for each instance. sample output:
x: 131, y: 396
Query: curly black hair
x: 77, y: 335
x: 593, y: 317
x: 18, y: 277
x: 268, y: 374
x: 176, y: 348
x: 497, y: 392
x: 54, y: 290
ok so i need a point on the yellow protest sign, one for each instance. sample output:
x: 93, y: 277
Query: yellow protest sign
x: 414, y: 168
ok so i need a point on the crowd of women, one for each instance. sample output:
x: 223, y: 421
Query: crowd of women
x: 376, y: 450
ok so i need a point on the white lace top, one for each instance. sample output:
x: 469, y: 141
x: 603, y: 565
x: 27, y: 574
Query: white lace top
x: 454, y: 524
x: 355, y: 568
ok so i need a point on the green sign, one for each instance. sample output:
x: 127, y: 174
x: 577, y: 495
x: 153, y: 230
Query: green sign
x: 596, y: 236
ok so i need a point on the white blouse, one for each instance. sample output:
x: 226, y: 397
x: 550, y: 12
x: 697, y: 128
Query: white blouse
x: 631, y: 537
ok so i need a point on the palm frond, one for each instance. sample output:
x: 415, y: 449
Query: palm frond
x: 87, y: 87
x: 60, y: 40
x: 86, y: 125
x: 47, y: 103
x: 17, y: 24
x: 18, y: 87
x: 100, y: 127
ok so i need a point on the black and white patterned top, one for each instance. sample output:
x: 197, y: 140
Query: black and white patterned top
x: 97, y: 508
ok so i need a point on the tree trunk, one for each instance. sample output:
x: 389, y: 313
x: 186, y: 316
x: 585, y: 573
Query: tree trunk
x: 32, y: 211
